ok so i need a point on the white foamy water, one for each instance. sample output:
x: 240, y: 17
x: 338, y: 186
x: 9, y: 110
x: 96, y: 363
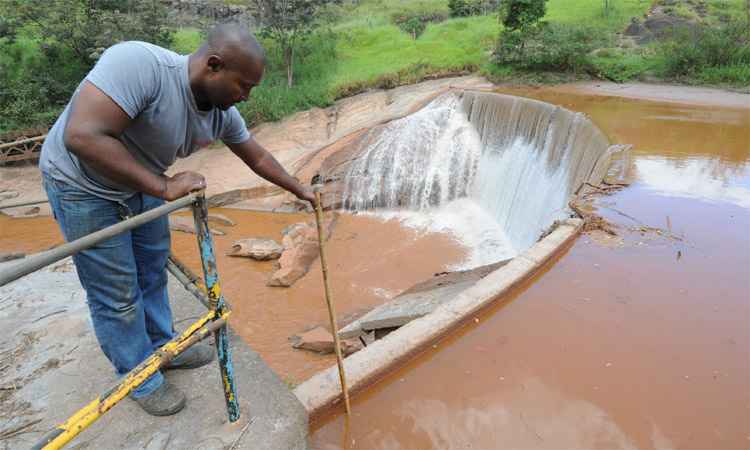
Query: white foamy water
x: 467, y: 222
x: 494, y: 171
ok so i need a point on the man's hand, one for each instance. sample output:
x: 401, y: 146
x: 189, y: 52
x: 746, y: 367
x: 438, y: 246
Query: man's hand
x: 181, y: 184
x: 306, y: 194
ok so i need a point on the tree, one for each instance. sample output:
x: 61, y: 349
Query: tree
x: 520, y: 15
x: 288, y: 22
x: 48, y: 47
x: 87, y: 27
x: 522, y: 22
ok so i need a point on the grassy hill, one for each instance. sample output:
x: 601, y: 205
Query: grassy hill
x: 360, y: 46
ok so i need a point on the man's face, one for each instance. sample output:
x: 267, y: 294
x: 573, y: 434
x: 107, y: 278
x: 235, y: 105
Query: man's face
x: 231, y: 83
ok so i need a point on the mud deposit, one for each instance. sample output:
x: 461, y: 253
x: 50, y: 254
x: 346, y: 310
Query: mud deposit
x: 643, y: 344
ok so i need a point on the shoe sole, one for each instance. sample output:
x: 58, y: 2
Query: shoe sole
x: 190, y: 366
x: 169, y: 412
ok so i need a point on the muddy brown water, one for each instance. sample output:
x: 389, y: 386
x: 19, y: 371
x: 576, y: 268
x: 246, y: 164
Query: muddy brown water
x: 640, y: 345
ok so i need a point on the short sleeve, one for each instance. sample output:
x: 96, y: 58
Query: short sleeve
x: 235, y: 130
x: 127, y: 73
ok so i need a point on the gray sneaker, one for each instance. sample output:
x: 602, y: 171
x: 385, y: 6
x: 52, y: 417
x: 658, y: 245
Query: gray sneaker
x: 196, y: 356
x: 164, y: 401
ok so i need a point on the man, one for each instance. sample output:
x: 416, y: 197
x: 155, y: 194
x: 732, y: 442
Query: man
x: 138, y: 109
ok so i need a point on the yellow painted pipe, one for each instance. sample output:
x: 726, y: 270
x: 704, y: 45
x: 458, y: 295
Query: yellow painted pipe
x: 87, y: 415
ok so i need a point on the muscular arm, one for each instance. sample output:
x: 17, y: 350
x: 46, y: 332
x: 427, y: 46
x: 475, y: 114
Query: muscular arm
x: 92, y: 133
x: 264, y: 164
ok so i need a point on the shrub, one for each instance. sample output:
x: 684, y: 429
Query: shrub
x: 414, y: 22
x: 618, y: 65
x: 522, y: 14
x: 465, y: 8
x: 704, y: 49
x: 551, y: 47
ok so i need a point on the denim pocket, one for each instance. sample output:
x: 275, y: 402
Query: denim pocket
x: 68, y: 192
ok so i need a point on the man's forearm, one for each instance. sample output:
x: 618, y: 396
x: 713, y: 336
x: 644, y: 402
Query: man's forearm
x: 110, y: 158
x: 270, y: 169
x: 265, y: 165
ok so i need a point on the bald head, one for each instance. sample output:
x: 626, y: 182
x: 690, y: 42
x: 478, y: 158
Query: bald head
x: 232, y: 41
x: 227, y: 66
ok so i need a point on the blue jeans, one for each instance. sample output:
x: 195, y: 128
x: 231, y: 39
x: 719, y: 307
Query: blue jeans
x: 124, y: 277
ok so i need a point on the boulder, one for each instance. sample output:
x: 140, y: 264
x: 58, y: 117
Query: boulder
x: 317, y: 340
x: 320, y: 340
x: 300, y: 251
x: 187, y: 225
x: 258, y: 249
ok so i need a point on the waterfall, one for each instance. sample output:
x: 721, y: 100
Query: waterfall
x: 519, y: 159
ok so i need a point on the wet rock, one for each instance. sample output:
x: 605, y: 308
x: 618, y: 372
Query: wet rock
x: 187, y: 225
x: 349, y: 346
x: 317, y: 340
x: 10, y: 256
x: 300, y: 251
x: 320, y: 340
x: 258, y: 249
x: 221, y: 219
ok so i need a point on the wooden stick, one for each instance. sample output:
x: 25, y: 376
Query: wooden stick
x: 329, y: 301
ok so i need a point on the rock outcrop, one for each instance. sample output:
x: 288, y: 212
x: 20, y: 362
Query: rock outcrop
x: 300, y: 250
x: 257, y: 248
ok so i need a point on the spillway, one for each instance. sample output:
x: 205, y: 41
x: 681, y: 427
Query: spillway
x: 519, y: 160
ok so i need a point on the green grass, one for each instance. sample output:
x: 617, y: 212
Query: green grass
x: 622, y: 66
x: 591, y: 12
x: 366, y: 53
x: 723, y: 10
x: 187, y: 40
x: 733, y: 75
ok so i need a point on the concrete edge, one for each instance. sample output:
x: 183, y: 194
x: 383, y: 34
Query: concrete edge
x: 323, y: 390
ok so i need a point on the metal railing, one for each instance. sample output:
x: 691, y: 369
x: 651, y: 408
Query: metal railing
x: 213, y: 322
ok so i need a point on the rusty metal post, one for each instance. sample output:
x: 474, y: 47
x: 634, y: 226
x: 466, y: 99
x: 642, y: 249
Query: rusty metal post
x: 217, y: 304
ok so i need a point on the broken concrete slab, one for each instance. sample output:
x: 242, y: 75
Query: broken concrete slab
x: 257, y: 248
x: 418, y: 301
x: 187, y: 225
x: 59, y: 368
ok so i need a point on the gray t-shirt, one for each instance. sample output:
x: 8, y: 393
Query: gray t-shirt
x: 151, y: 85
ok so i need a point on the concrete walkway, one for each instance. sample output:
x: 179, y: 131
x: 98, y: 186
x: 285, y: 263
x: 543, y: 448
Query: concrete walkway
x: 51, y: 365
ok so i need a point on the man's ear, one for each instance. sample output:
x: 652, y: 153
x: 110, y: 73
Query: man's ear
x: 215, y: 63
